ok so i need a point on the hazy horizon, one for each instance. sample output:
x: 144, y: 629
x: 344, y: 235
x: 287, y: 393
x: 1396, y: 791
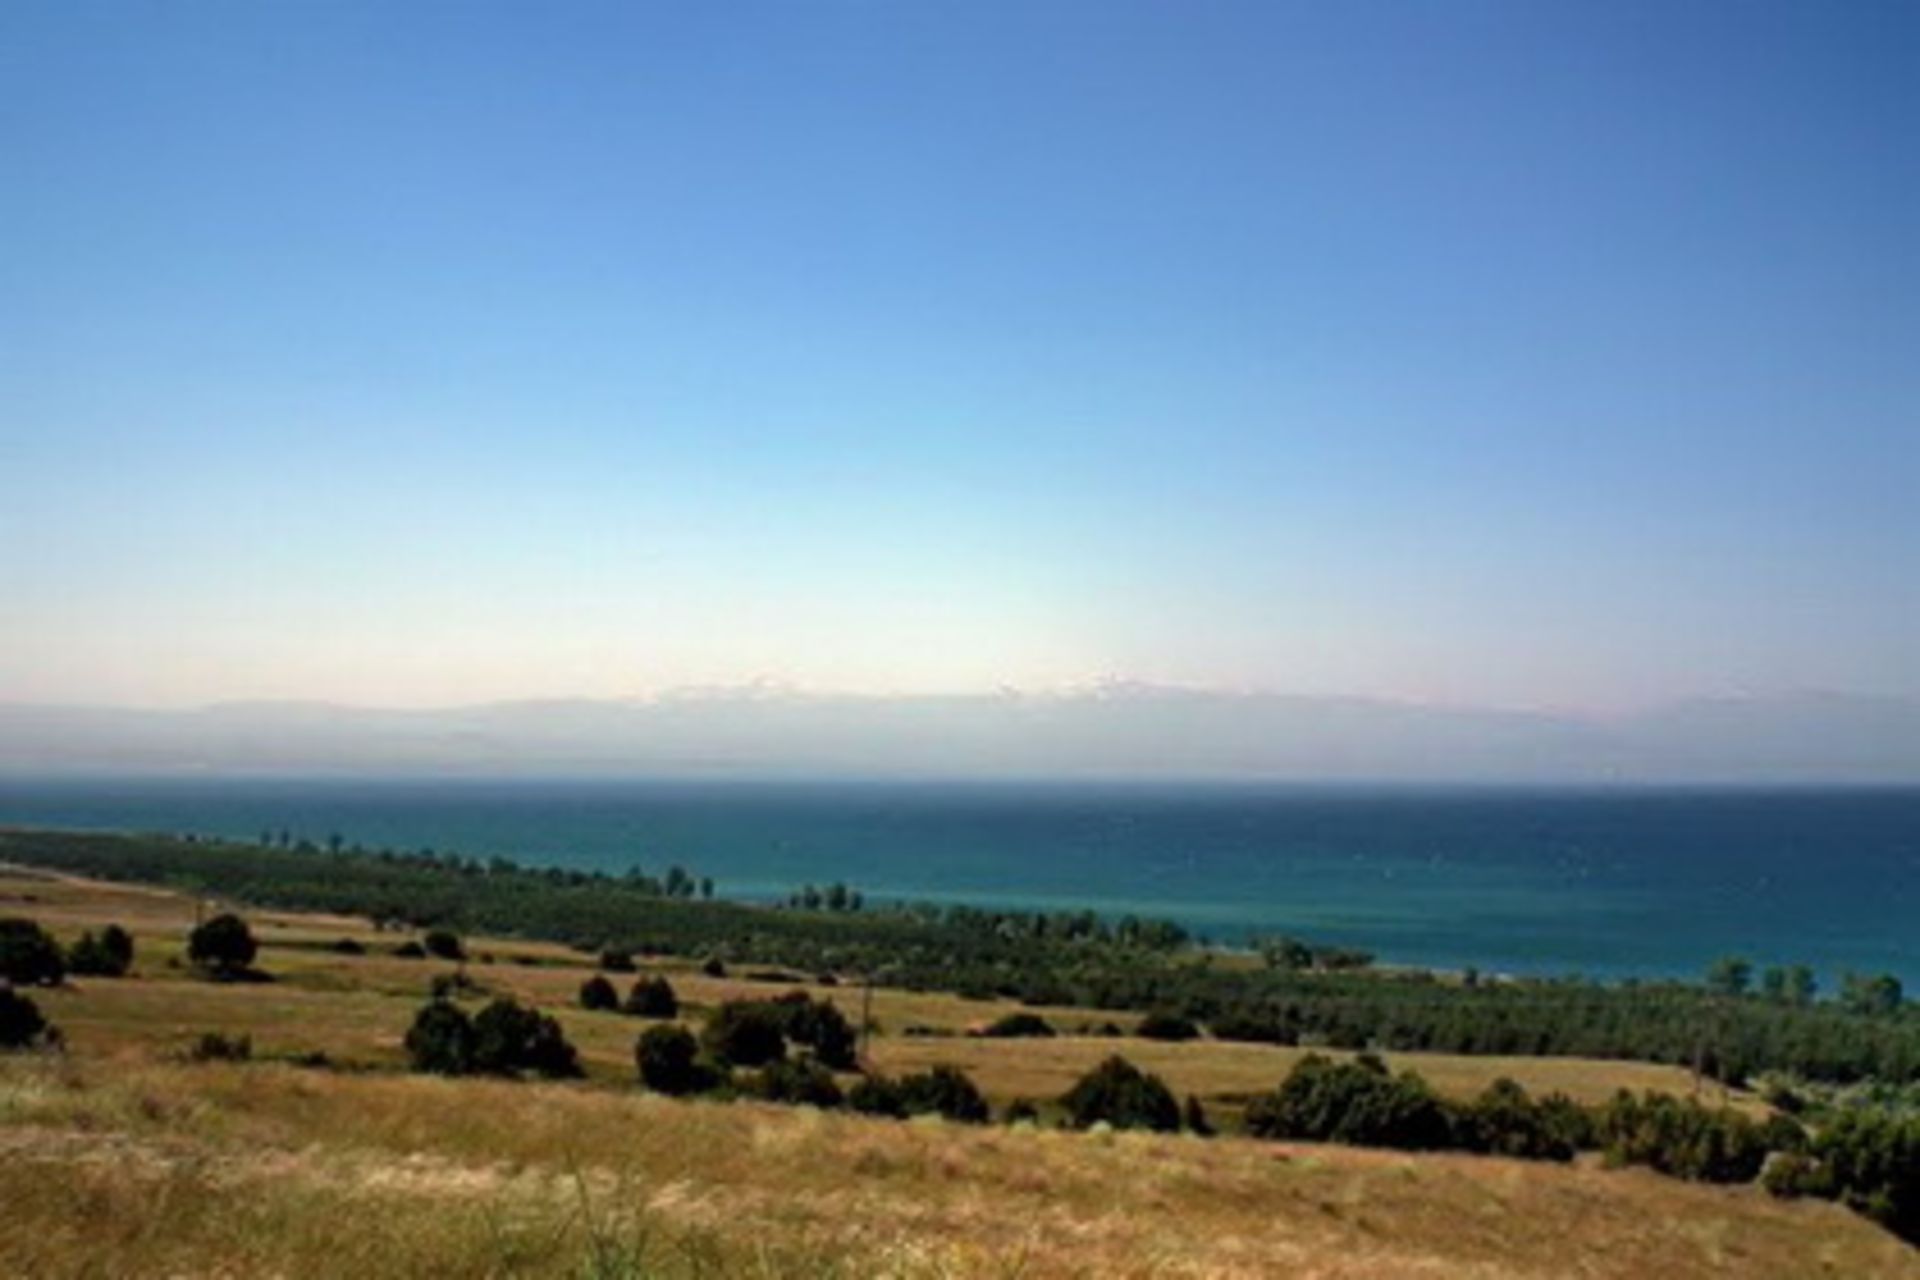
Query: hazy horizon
x: 1110, y: 732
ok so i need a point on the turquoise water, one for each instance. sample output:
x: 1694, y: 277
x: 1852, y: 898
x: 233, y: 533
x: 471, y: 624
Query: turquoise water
x: 1607, y: 884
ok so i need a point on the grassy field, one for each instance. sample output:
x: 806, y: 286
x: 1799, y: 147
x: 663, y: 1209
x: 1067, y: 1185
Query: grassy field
x: 123, y: 1159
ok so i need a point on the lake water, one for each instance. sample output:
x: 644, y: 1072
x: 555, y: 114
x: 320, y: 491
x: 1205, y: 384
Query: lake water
x: 1602, y: 883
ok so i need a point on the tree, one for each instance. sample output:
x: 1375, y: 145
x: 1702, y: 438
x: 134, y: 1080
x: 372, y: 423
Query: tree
x: 1871, y: 996
x: 29, y: 957
x: 943, y: 1091
x: 441, y: 1040
x: 745, y: 1033
x: 107, y: 956
x: 223, y: 946
x: 820, y: 1026
x: 668, y: 1061
x: 1356, y: 1102
x: 509, y: 1038
x: 598, y: 994
x: 1122, y: 1095
x: 444, y: 943
x: 653, y: 998
x: 1801, y: 986
x: 1730, y: 975
x: 21, y: 1024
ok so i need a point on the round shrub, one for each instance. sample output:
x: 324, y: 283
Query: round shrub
x: 598, y: 994
x: 745, y: 1033
x: 109, y: 955
x: 1123, y: 1096
x: 444, y: 944
x: 29, y: 957
x: 653, y: 998
x: 441, y: 1040
x: 668, y: 1059
x: 223, y: 946
x: 21, y: 1024
x: 509, y: 1038
x: 943, y: 1091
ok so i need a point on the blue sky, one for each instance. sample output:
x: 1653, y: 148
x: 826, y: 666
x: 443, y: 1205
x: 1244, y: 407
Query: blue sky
x: 1557, y: 355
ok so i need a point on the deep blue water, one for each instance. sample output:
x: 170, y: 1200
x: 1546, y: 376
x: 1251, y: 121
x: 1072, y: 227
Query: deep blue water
x: 1603, y: 883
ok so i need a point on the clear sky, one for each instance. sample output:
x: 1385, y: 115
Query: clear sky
x: 1531, y: 354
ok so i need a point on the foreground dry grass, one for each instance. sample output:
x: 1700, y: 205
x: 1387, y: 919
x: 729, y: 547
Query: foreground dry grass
x: 171, y: 1169
x: 120, y: 1159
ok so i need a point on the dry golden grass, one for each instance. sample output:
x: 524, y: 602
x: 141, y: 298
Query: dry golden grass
x: 121, y: 1159
x: 166, y: 1168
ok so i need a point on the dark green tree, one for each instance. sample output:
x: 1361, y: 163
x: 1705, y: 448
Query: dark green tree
x: 943, y: 1091
x: 1730, y: 975
x: 667, y: 1057
x: 21, y: 1023
x: 745, y: 1033
x: 29, y: 957
x: 441, y: 1040
x: 598, y: 994
x: 108, y: 955
x: 509, y: 1038
x: 222, y: 947
x: 1122, y: 1095
x: 653, y: 998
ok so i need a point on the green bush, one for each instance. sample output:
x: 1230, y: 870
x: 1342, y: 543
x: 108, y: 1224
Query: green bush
x: 1353, y: 1102
x: 509, y: 1038
x: 223, y: 947
x: 796, y: 1081
x: 1868, y: 1160
x: 1505, y: 1121
x: 745, y: 1033
x: 820, y: 1026
x: 653, y: 998
x: 1120, y: 1094
x: 441, y: 1040
x: 1018, y: 1024
x: 443, y: 944
x: 1681, y: 1137
x: 598, y: 994
x: 29, y: 957
x: 504, y: 1039
x: 21, y: 1023
x: 943, y: 1091
x: 109, y: 955
x: 667, y: 1057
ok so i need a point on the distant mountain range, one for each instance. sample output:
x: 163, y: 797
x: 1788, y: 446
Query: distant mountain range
x: 1108, y: 731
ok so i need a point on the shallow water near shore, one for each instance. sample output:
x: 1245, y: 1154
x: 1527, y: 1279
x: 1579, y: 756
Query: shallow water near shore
x: 1602, y: 883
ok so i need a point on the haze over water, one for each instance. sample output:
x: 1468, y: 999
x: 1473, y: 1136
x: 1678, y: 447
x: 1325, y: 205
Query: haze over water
x: 1603, y: 883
